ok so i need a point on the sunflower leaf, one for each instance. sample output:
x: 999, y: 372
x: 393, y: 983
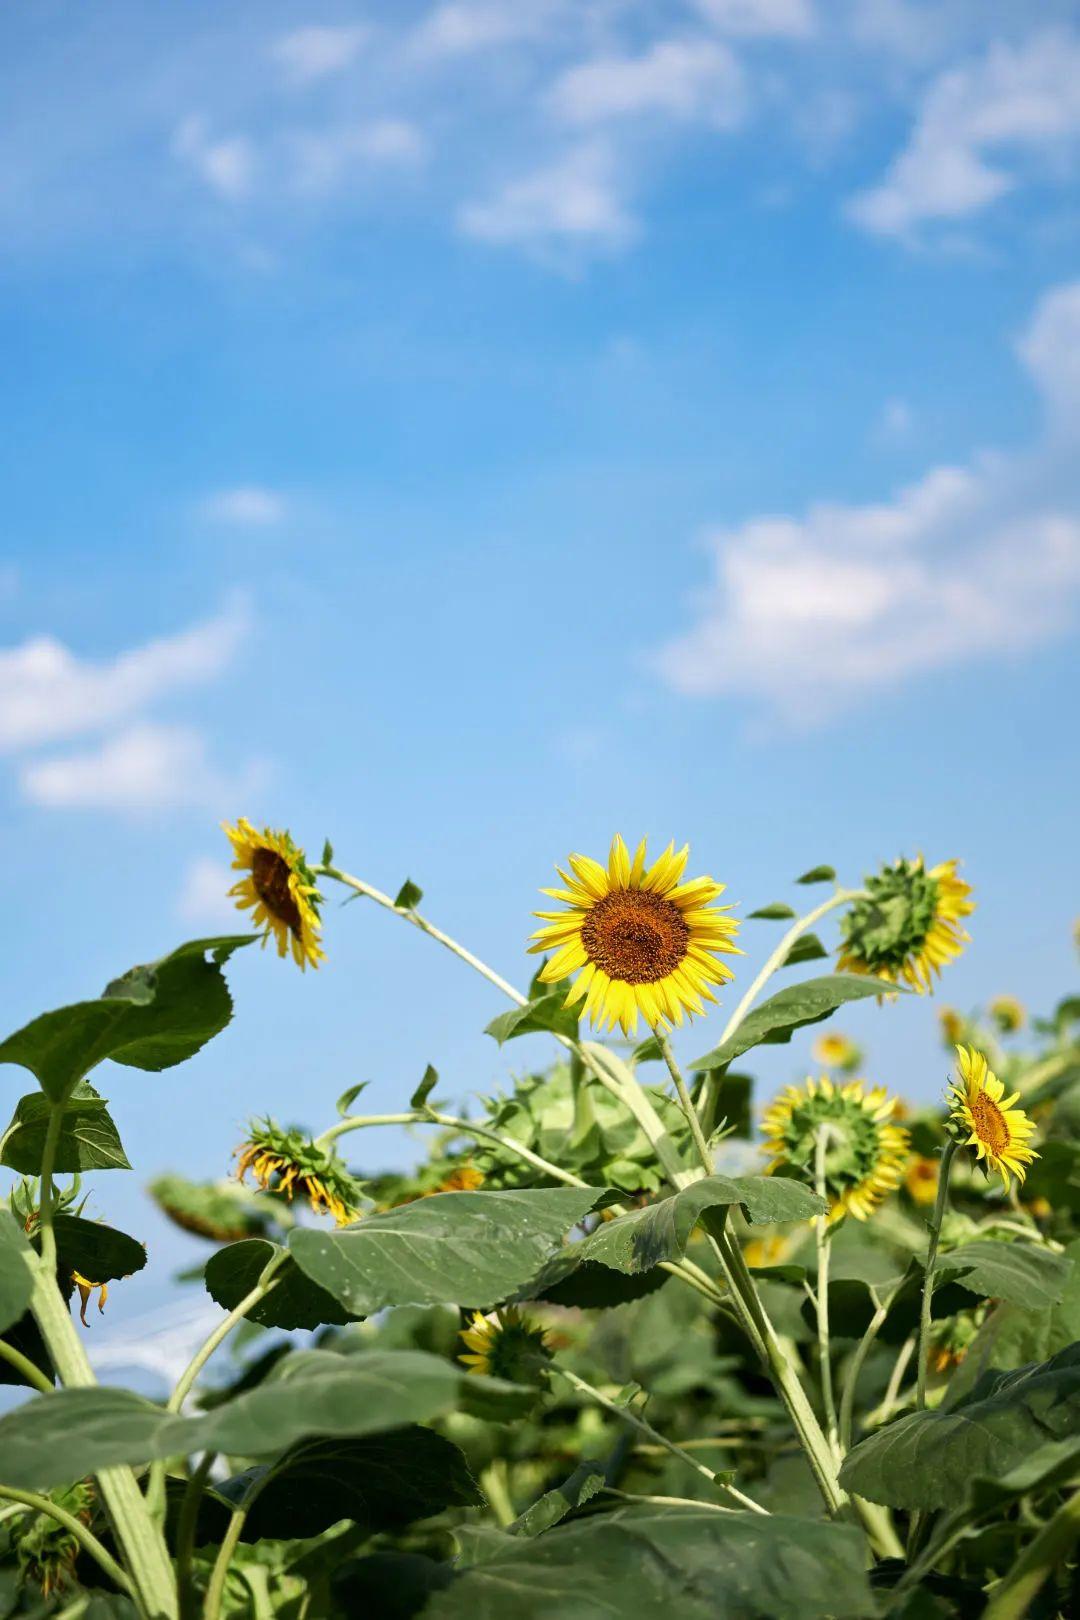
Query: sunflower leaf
x: 408, y: 896
x: 427, y: 1085
x: 150, y: 1018
x: 807, y: 948
x: 775, y: 1021
x: 16, y: 1271
x: 463, y: 1248
x: 546, y: 1012
x: 88, y: 1138
x: 818, y: 874
x: 293, y: 1302
x: 347, y: 1098
x: 100, y: 1253
x: 776, y: 911
x: 1021, y: 1273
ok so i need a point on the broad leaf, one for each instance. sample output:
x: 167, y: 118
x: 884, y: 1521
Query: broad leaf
x: 99, y: 1253
x: 807, y: 948
x: 151, y: 1018
x: 1022, y: 1273
x: 818, y: 874
x: 641, y: 1239
x: 926, y: 1459
x: 1012, y: 1336
x: 16, y: 1271
x: 545, y: 1012
x: 655, y: 1563
x: 381, y: 1482
x: 88, y: 1138
x: 293, y: 1302
x: 775, y: 912
x: 464, y: 1248
x: 776, y: 1020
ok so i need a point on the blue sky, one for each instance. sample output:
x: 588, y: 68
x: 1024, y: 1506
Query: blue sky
x: 468, y: 430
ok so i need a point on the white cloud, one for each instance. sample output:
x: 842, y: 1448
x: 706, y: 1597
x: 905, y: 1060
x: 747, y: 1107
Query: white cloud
x: 147, y: 767
x: 782, y: 19
x: 203, y: 899
x: 812, y: 615
x: 574, y: 201
x: 683, y: 78
x: 1014, y: 102
x: 326, y: 159
x: 463, y: 26
x: 226, y: 163
x: 47, y: 693
x: 246, y: 506
x: 315, y: 52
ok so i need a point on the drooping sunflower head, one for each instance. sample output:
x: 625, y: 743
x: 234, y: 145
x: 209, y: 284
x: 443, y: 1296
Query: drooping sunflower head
x: 280, y: 887
x: 288, y: 1162
x: 507, y: 1345
x: 837, y: 1052
x: 640, y: 938
x: 907, y: 926
x: 999, y: 1132
x: 1008, y: 1014
x: 921, y: 1179
x: 865, y: 1151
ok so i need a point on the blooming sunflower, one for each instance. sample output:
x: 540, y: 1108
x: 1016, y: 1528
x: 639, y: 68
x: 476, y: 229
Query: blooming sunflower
x: 999, y: 1132
x: 921, y: 1179
x: 506, y: 1345
x: 640, y: 939
x: 288, y: 1162
x: 280, y: 887
x: 1008, y: 1014
x: 865, y: 1151
x: 836, y: 1052
x: 906, y: 926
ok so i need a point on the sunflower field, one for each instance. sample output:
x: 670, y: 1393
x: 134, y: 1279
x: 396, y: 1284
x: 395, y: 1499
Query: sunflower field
x: 630, y: 1339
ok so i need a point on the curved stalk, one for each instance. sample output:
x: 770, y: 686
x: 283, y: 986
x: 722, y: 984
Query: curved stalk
x: 685, y: 1099
x: 220, y: 1573
x: 25, y: 1367
x: 778, y: 957
x: 75, y: 1527
x: 855, y: 1366
x: 823, y: 1240
x: 928, y: 1276
x: 185, y: 1534
x: 265, y: 1285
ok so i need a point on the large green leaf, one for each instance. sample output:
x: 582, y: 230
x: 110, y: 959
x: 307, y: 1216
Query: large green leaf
x: 16, y: 1270
x: 465, y: 1248
x: 654, y: 1563
x: 926, y: 1459
x: 88, y: 1138
x: 293, y: 1302
x: 151, y: 1018
x: 661, y: 1231
x: 548, y: 1012
x: 381, y: 1482
x: 99, y: 1253
x: 58, y: 1438
x: 776, y: 1020
x: 1022, y: 1273
x: 1013, y: 1336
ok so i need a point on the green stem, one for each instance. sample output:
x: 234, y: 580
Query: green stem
x: 46, y: 1193
x: 855, y: 1366
x: 1055, y: 1540
x: 25, y: 1367
x: 494, y: 1484
x: 627, y: 1416
x: 220, y: 1573
x: 685, y: 1099
x: 823, y: 1240
x: 143, y: 1545
x: 928, y: 1276
x: 185, y: 1535
x: 75, y: 1527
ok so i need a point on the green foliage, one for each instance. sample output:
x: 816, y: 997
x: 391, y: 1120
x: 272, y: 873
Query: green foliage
x: 777, y: 1019
x: 16, y: 1275
x: 88, y: 1138
x: 293, y: 1302
x: 545, y: 1012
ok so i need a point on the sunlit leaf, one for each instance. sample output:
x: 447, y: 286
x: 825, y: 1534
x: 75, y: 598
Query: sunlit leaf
x: 775, y: 1021
x: 88, y: 1138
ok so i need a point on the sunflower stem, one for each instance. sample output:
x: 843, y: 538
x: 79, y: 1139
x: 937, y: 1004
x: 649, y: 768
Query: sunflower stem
x: 685, y: 1100
x: 25, y: 1367
x: 823, y: 1240
x: 494, y: 1484
x: 1012, y: 1599
x: 220, y: 1572
x: 627, y: 1416
x: 75, y: 1527
x: 855, y: 1366
x: 186, y: 1531
x: 928, y: 1276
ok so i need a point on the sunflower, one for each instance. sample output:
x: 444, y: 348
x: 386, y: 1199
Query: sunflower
x: 1008, y: 1014
x: 281, y: 888
x: 921, y: 1179
x: 837, y: 1052
x: 999, y: 1132
x: 639, y: 938
x: 506, y: 1345
x: 288, y: 1162
x: 865, y: 1151
x: 906, y: 926
x: 952, y: 1025
x: 86, y: 1288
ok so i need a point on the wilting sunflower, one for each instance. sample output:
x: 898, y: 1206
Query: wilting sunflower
x: 1008, y: 1014
x: 506, y: 1345
x: 999, y: 1132
x: 288, y: 1162
x: 865, y: 1151
x: 907, y: 925
x: 921, y: 1179
x: 86, y: 1288
x: 280, y: 887
x: 639, y: 938
x: 837, y: 1052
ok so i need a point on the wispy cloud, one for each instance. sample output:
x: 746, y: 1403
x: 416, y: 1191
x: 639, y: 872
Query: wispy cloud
x: 146, y: 767
x: 572, y: 203
x: 812, y: 615
x: 976, y: 126
x: 247, y: 506
x: 226, y: 163
x: 48, y: 693
x: 309, y: 54
x: 761, y: 19
x: 326, y: 159
x: 678, y: 78
x: 462, y: 27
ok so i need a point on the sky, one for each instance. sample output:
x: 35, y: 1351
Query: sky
x: 468, y: 430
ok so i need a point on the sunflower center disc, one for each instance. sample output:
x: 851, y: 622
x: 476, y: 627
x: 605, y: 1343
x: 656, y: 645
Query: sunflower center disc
x: 635, y: 936
x: 990, y: 1126
x: 270, y: 874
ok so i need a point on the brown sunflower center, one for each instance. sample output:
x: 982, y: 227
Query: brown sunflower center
x: 635, y: 936
x: 270, y: 875
x: 991, y: 1126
